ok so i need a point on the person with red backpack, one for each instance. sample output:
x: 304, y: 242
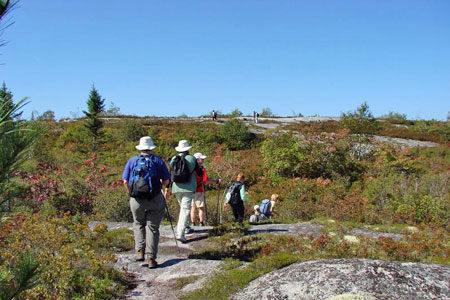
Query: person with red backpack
x: 143, y: 176
x: 236, y: 198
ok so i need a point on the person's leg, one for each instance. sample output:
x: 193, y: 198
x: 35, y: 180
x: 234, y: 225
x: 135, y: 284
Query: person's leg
x: 155, y: 212
x: 240, y: 211
x: 201, y: 214
x: 185, y: 200
x: 138, y: 224
x: 193, y: 212
x: 234, y: 209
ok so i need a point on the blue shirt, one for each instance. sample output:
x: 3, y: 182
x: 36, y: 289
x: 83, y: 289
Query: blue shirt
x: 162, y: 173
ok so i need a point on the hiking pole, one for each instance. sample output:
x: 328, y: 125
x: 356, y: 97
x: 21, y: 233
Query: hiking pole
x: 171, y: 225
x: 204, y: 201
x: 220, y: 205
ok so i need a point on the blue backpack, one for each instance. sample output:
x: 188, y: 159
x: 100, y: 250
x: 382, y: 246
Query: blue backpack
x: 264, y: 208
x: 144, y: 171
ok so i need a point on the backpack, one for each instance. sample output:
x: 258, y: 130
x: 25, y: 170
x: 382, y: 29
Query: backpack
x: 179, y: 169
x: 264, y: 208
x: 235, y: 193
x: 142, y: 175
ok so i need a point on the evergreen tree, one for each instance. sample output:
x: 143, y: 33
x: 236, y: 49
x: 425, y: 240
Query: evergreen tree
x: 7, y: 103
x: 96, y: 106
x: 5, y: 7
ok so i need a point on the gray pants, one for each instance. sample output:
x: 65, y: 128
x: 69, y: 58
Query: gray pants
x: 147, y: 215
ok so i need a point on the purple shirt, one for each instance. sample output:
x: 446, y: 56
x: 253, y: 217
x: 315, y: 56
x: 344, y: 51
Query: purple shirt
x: 162, y: 173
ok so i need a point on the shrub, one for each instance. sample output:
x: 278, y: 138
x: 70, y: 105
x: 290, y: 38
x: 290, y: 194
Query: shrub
x: 360, y: 121
x: 267, y: 113
x: 236, y: 113
x: 133, y: 130
x: 72, y: 264
x: 327, y: 156
x: 112, y: 203
x: 236, y: 135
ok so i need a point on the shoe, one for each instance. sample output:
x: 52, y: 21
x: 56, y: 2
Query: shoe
x: 182, y: 239
x: 140, y: 256
x: 152, y: 264
x: 188, y: 230
x: 202, y: 224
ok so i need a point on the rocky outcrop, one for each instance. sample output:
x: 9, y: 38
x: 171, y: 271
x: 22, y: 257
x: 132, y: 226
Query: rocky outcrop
x: 339, y: 279
x: 351, y: 279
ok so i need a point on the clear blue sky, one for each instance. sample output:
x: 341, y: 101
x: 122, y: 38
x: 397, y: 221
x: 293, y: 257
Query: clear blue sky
x: 166, y: 58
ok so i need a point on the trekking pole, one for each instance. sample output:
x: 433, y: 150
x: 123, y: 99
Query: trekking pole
x: 171, y: 225
x: 204, y: 201
x: 220, y: 205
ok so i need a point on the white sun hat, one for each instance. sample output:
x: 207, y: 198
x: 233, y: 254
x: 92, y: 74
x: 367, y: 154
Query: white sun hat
x: 145, y: 143
x: 183, y: 146
x: 256, y: 207
x: 199, y: 155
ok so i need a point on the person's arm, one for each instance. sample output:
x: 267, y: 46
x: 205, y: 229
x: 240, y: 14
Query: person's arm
x: 166, y: 184
x: 244, y: 199
x: 165, y: 179
x: 126, y: 173
x: 242, y: 192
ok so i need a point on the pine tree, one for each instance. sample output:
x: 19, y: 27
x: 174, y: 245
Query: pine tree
x: 96, y: 106
x: 7, y: 103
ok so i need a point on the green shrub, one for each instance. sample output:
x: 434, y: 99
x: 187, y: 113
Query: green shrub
x: 113, y: 204
x: 360, y: 121
x: 133, y: 130
x: 326, y: 156
x: 235, y: 134
x: 72, y: 263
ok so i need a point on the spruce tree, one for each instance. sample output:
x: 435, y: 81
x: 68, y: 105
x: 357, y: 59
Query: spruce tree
x: 96, y: 106
x: 7, y: 103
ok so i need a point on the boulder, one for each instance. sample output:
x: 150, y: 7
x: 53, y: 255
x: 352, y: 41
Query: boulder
x: 351, y: 279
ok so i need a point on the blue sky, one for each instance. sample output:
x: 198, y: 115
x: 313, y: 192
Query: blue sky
x: 168, y: 58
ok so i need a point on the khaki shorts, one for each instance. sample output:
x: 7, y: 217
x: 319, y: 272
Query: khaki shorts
x: 199, y: 199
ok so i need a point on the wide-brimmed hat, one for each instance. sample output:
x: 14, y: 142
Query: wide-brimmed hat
x: 145, y: 143
x: 183, y: 146
x: 199, y: 155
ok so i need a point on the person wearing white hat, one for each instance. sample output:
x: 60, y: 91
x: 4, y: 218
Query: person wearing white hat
x: 147, y: 211
x: 200, y: 197
x: 184, y: 190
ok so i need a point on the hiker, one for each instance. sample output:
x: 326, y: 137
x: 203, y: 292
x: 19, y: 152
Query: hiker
x: 268, y: 205
x: 256, y: 116
x: 200, y: 196
x: 257, y: 216
x: 147, y: 206
x: 182, y: 168
x: 237, y: 199
x: 214, y: 115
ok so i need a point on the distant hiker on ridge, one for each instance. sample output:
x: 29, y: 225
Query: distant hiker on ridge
x: 143, y: 176
x: 182, y: 168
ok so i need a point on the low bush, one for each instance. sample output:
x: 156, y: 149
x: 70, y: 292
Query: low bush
x: 236, y: 135
x: 72, y: 264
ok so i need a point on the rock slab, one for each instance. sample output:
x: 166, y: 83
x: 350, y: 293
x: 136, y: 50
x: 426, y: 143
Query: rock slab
x: 352, y: 279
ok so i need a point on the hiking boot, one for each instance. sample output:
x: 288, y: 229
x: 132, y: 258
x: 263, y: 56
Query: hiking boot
x: 202, y: 224
x: 152, y: 264
x: 182, y: 239
x: 140, y: 256
x: 188, y: 230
